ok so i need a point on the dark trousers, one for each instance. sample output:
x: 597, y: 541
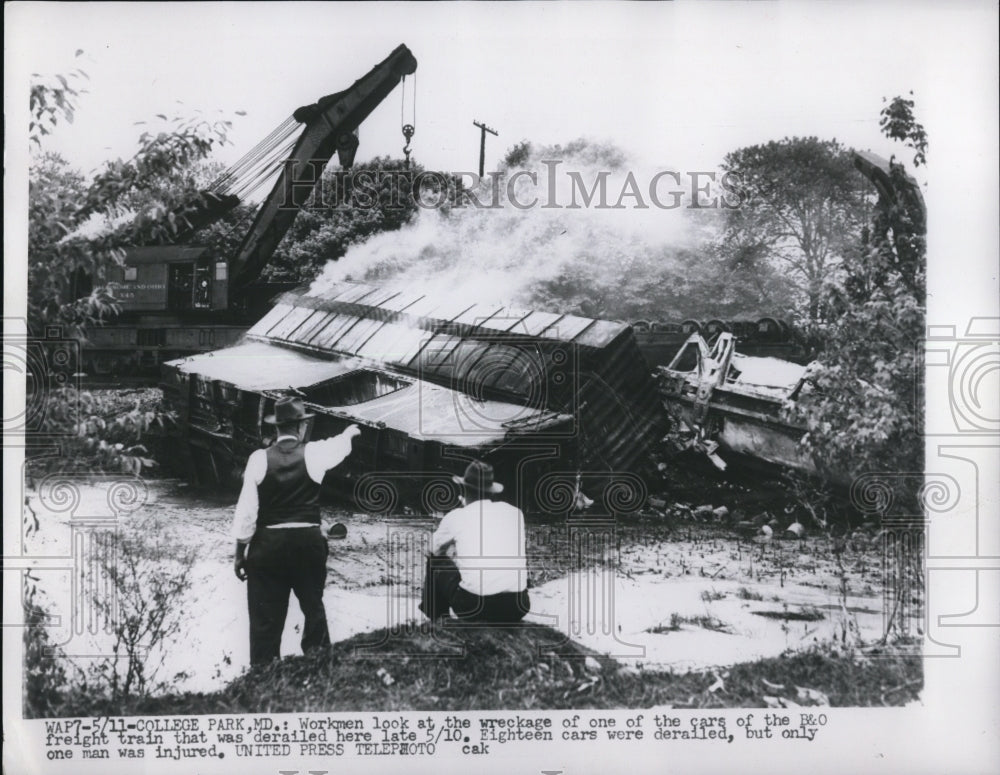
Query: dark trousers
x: 281, y: 561
x: 442, y: 592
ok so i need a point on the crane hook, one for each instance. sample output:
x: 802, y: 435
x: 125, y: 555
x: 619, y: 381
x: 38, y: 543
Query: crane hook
x: 408, y: 130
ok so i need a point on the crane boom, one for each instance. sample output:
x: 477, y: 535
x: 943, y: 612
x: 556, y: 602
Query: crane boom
x: 326, y: 122
x: 879, y: 172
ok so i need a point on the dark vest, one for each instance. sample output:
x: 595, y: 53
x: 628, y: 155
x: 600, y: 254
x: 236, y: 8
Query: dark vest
x: 287, y: 494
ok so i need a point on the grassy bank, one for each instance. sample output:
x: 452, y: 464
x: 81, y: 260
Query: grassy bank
x: 525, y: 667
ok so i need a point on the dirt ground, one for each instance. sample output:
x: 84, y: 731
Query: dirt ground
x: 659, y: 593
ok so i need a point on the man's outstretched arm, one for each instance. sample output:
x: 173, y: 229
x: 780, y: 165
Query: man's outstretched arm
x: 323, y: 455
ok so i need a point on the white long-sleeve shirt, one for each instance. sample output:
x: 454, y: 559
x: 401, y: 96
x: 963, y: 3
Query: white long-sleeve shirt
x: 320, y: 457
x: 489, y: 545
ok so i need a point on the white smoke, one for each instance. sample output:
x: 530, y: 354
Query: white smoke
x: 507, y: 253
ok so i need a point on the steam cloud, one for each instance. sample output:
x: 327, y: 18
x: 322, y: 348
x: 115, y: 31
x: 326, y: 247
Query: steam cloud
x: 565, y: 260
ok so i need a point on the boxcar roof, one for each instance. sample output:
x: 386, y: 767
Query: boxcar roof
x: 260, y: 366
x: 435, y: 413
x: 421, y: 410
x: 489, y: 350
x: 318, y: 318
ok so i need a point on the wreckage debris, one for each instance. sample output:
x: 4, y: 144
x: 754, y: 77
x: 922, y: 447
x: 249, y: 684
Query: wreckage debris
x: 726, y: 405
x: 660, y: 340
x: 337, y: 531
x: 795, y: 530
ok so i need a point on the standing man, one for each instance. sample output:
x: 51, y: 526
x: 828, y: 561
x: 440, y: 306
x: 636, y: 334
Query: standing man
x: 277, y: 517
x: 478, y: 565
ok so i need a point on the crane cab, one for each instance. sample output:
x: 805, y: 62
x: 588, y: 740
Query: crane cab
x: 170, y: 278
x: 170, y: 298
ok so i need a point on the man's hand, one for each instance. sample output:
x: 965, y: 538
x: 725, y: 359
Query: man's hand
x: 240, y: 568
x: 352, y: 431
x: 240, y: 561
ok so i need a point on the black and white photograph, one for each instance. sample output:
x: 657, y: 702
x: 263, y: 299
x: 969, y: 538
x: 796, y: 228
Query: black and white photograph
x: 544, y: 387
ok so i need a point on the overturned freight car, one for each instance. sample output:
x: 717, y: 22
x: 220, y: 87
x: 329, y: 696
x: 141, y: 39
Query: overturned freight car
x: 729, y: 405
x: 660, y: 340
x: 431, y: 382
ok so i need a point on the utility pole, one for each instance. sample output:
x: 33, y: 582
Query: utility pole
x: 482, y: 145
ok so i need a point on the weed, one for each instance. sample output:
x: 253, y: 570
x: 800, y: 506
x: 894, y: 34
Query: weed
x: 673, y: 626
x: 44, y: 676
x: 149, y: 581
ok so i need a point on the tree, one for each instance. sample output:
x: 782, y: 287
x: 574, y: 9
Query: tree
x: 865, y: 413
x: 52, y: 100
x: 517, y: 155
x: 57, y: 292
x: 348, y: 208
x: 803, y: 205
x: 898, y: 123
x: 78, y: 230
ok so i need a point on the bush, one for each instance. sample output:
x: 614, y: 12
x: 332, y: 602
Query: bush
x: 149, y: 580
x: 45, y: 680
x: 101, y: 431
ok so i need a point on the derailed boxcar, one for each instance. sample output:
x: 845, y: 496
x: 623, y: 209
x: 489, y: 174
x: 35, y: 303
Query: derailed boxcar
x: 724, y: 403
x: 432, y: 383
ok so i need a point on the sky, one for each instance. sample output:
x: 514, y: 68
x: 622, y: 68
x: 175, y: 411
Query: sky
x: 674, y: 85
x: 677, y: 85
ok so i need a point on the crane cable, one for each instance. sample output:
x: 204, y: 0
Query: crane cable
x: 264, y: 169
x: 261, y: 159
x: 233, y: 170
x: 277, y: 137
x: 408, y: 129
x: 255, y: 168
x: 234, y: 177
x: 244, y: 186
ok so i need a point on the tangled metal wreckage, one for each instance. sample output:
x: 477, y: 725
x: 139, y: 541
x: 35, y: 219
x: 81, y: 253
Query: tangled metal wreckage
x: 432, y: 383
x: 660, y: 340
x: 720, y: 399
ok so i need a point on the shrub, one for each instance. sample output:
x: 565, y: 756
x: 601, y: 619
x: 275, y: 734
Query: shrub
x: 149, y: 580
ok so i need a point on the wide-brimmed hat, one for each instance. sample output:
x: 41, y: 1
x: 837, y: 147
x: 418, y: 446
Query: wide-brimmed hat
x: 479, y: 478
x: 288, y: 409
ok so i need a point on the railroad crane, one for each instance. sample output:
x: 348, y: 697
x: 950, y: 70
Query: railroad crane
x: 179, y: 299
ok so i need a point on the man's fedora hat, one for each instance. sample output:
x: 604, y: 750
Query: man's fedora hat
x: 288, y: 409
x: 479, y: 478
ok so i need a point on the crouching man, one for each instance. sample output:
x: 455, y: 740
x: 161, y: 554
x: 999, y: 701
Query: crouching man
x: 477, y: 567
x: 280, y: 546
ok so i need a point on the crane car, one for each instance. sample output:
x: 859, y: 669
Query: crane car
x: 178, y: 299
